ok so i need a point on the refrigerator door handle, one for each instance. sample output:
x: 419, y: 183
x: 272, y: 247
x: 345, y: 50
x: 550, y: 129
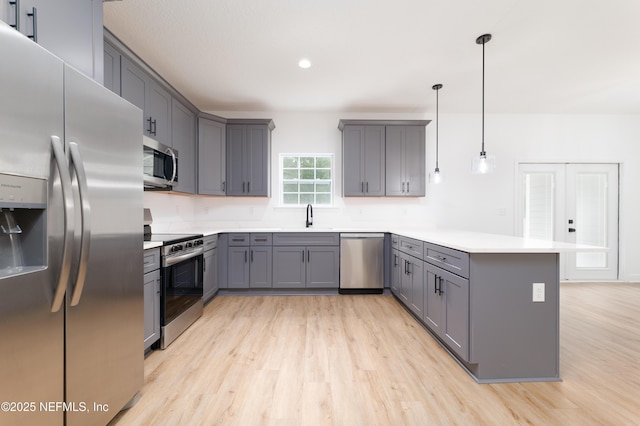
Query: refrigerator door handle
x: 85, y: 219
x: 65, y: 184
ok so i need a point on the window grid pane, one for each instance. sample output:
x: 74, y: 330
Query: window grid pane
x: 306, y: 179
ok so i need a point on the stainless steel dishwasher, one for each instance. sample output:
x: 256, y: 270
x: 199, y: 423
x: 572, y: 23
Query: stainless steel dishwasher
x: 361, y: 263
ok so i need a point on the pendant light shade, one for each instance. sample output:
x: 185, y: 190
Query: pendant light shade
x: 436, y: 176
x: 483, y: 163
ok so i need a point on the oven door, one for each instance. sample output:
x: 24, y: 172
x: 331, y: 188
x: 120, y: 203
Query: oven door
x: 181, y: 285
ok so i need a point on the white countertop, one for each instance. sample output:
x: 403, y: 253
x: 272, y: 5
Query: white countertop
x: 467, y: 241
x: 151, y: 244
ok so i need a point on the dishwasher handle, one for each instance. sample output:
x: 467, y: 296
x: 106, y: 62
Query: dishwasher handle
x: 361, y: 236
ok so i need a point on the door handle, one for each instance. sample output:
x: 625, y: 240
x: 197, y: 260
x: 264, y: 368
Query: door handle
x: 308, y: 256
x: 435, y: 284
x: 65, y: 184
x: 16, y: 4
x: 408, y: 187
x: 34, y: 17
x: 174, y: 159
x: 403, y: 187
x: 245, y: 256
x: 367, y: 187
x: 85, y: 219
x: 572, y: 229
x: 440, y: 286
x: 251, y: 256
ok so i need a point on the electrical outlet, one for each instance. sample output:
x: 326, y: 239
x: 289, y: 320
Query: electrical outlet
x: 538, y: 292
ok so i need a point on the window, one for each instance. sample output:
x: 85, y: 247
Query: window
x: 306, y: 179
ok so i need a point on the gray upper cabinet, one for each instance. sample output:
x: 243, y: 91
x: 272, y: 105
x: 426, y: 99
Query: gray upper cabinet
x: 405, y: 161
x: 138, y: 88
x: 363, y: 151
x: 248, y: 157
x: 112, y: 60
x: 211, y: 157
x: 183, y: 138
x: 71, y: 29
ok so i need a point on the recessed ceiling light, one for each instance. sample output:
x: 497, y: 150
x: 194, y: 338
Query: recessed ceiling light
x: 304, y: 63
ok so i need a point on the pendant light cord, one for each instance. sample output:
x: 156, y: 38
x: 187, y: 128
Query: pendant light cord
x: 483, y: 99
x: 437, y: 119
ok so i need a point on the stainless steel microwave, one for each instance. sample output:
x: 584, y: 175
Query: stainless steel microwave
x: 160, y: 165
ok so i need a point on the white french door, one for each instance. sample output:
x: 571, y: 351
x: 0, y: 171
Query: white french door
x: 575, y: 203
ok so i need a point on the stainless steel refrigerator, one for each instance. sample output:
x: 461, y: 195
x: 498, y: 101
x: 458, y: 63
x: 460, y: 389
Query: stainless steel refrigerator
x: 71, y: 278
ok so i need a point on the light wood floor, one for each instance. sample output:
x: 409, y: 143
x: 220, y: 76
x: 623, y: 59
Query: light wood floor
x: 363, y: 360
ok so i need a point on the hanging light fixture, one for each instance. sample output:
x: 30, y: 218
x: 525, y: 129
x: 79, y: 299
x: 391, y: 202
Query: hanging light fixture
x: 436, y: 176
x: 484, y: 163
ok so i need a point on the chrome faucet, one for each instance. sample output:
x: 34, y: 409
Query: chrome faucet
x: 309, y: 215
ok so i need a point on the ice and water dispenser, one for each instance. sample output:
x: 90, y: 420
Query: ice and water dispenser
x: 23, y: 219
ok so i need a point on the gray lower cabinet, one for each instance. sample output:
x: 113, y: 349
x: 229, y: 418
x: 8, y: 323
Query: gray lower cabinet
x: 211, y: 157
x: 250, y: 260
x: 248, y: 154
x: 151, y: 297
x: 413, y: 284
x: 405, y: 161
x: 140, y: 89
x: 183, y: 138
x: 210, y: 268
x: 71, y: 29
x: 289, y: 268
x: 446, y: 302
x: 323, y: 267
x: 363, y: 152
x: 396, y: 272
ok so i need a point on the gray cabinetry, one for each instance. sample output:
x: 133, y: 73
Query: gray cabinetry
x: 302, y: 260
x: 71, y: 29
x: 250, y: 261
x: 183, y: 139
x: 211, y: 156
x: 112, y: 60
x: 363, y: 153
x: 210, y: 267
x: 151, y: 297
x: 141, y: 90
x: 248, y: 157
x: 405, y: 161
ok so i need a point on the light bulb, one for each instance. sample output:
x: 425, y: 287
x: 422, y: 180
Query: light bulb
x: 435, y: 176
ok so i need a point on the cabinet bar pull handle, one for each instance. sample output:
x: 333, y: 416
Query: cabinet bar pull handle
x: 302, y: 255
x: 245, y: 256
x: 224, y: 186
x: 440, y: 287
x: 16, y: 4
x: 362, y: 187
x: 249, y: 187
x: 435, y: 284
x: 34, y: 16
x: 204, y: 265
x: 308, y: 256
x: 395, y: 260
x: 403, y: 187
x: 155, y: 127
x: 408, y: 187
x: 243, y: 186
x: 367, y: 187
x: 149, y: 128
x: 251, y: 256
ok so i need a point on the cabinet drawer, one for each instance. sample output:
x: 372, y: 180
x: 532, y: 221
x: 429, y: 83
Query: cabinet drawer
x: 262, y: 239
x: 238, y: 239
x: 210, y: 242
x: 306, y: 239
x: 395, y: 241
x: 451, y: 260
x: 151, y: 259
x: 411, y: 246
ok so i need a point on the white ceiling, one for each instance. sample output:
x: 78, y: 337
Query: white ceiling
x: 546, y: 56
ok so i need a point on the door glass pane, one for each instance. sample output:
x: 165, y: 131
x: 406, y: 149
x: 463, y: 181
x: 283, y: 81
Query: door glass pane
x: 591, y: 217
x: 538, y: 209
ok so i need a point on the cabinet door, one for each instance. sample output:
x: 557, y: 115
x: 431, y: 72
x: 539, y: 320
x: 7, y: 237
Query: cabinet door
x: 238, y: 270
x: 257, y: 160
x: 416, y: 275
x: 261, y: 259
x: 133, y: 87
x: 158, y: 107
x: 323, y: 267
x: 414, y: 160
x: 352, y: 170
x: 183, y: 138
x: 111, y: 68
x: 405, y: 279
x: 373, y: 155
x: 396, y: 273
x: 289, y: 264
x: 210, y: 274
x: 151, y: 308
x: 394, y: 161
x: 456, y: 313
x: 433, y: 302
x: 211, y: 157
x: 236, y: 184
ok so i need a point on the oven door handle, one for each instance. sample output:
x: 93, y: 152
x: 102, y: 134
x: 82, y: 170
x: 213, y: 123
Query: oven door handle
x: 170, y: 261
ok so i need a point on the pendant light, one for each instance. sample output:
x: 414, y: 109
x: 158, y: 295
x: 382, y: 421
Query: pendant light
x: 484, y: 163
x: 436, y: 176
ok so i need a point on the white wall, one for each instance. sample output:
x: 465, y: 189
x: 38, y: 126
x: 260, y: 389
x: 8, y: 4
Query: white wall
x: 463, y: 201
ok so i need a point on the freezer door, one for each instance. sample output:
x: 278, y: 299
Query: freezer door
x: 104, y: 339
x: 32, y: 337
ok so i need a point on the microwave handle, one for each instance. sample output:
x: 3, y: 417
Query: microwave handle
x: 175, y: 164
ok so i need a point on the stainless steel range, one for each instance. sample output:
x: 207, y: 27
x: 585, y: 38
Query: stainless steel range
x: 181, y: 281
